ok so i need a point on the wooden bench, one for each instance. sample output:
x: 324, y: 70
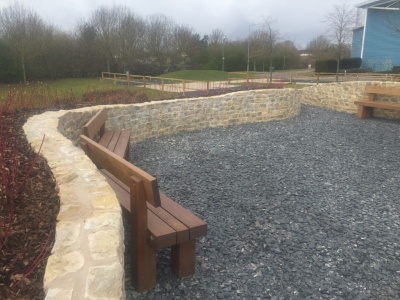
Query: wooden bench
x: 156, y: 220
x: 116, y: 141
x: 366, y: 106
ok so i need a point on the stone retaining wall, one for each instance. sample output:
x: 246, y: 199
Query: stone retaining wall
x: 154, y: 119
x: 87, y: 258
x: 341, y: 97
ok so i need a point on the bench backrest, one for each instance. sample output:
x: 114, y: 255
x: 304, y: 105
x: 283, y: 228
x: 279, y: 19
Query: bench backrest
x: 96, y: 124
x: 121, y: 168
x: 382, y: 90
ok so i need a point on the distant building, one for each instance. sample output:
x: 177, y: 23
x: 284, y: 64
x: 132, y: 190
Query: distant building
x: 376, y: 38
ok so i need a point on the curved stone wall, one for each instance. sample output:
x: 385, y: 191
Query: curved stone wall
x: 87, y: 258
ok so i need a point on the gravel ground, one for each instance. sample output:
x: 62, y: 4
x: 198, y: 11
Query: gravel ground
x: 306, y: 208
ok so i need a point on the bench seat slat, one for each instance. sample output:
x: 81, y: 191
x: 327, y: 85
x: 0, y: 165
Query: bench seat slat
x: 182, y: 231
x: 117, y: 141
x: 122, y: 146
x: 106, y: 138
x: 114, y: 140
x: 198, y: 227
x: 161, y: 234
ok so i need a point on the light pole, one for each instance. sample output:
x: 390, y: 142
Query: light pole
x: 223, y: 54
x: 248, y: 47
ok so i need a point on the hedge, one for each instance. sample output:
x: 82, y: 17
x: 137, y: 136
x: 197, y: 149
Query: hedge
x: 329, y: 65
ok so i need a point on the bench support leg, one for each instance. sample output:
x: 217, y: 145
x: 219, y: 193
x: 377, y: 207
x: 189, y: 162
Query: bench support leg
x: 143, y: 255
x: 183, y: 258
x: 364, y: 112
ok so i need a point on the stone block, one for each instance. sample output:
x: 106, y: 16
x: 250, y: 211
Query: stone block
x: 106, y: 201
x: 106, y: 244
x: 104, y: 282
x: 69, y: 212
x: 113, y: 219
x: 61, y: 265
x: 66, y: 235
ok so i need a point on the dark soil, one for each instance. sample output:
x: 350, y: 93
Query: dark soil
x: 36, y: 206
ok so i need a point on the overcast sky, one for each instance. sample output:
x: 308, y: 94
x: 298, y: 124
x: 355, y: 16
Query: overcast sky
x: 296, y: 20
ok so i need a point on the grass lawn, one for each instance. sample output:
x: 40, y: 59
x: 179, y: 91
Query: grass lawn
x: 81, y: 85
x: 60, y: 88
x: 46, y: 93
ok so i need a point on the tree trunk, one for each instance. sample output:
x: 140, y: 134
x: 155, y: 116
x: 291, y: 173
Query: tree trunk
x: 23, y: 72
x: 270, y: 69
x: 337, y: 69
x: 108, y: 66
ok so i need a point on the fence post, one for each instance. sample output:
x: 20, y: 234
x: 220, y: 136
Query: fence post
x: 318, y: 79
x: 184, y: 87
x: 162, y: 85
x: 144, y: 82
x: 128, y: 77
x: 115, y: 78
x: 208, y: 87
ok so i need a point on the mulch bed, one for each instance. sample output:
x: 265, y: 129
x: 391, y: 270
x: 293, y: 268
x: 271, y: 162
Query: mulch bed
x: 35, y: 207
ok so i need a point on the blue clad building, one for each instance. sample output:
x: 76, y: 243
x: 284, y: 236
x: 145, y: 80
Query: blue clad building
x: 376, y: 38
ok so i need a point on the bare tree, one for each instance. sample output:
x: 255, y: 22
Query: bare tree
x: 340, y: 24
x: 106, y: 23
x: 288, y: 54
x: 217, y: 37
x: 184, y: 43
x: 263, y: 43
x: 158, y: 41
x: 266, y: 39
x: 88, y: 58
x: 22, y: 29
x: 131, y: 38
x: 320, y: 47
x: 257, y: 48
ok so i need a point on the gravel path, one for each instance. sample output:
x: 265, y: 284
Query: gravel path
x: 306, y: 208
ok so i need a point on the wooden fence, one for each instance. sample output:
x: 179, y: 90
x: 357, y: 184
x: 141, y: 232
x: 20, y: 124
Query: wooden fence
x: 240, y: 79
x: 162, y: 84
